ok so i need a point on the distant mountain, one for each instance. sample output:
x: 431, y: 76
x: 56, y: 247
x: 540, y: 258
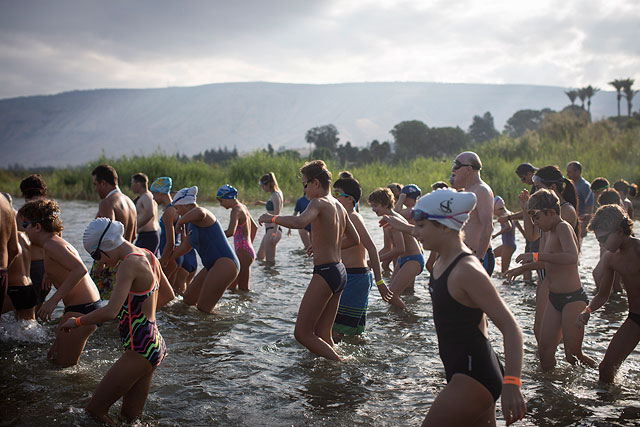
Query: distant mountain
x: 75, y: 127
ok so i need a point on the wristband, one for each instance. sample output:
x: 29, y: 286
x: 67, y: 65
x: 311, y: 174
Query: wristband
x: 273, y: 218
x: 380, y: 282
x: 512, y: 380
x: 589, y: 309
x: 78, y: 324
x: 535, y: 256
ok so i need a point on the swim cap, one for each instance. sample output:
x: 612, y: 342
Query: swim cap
x: 498, y: 202
x: 111, y: 239
x: 411, y: 190
x: 446, y: 206
x: 227, y: 192
x: 161, y: 185
x: 186, y: 196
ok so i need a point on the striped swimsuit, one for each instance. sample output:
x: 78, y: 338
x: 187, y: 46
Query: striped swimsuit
x: 138, y: 333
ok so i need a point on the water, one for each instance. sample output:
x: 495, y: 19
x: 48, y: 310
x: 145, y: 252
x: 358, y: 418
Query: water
x: 242, y: 367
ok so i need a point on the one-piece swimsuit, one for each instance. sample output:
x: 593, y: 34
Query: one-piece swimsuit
x: 239, y: 239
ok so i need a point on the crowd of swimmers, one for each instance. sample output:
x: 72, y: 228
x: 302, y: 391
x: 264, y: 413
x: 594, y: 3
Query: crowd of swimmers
x: 143, y: 258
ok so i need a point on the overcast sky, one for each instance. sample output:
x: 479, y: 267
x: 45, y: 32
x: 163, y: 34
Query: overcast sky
x: 54, y: 46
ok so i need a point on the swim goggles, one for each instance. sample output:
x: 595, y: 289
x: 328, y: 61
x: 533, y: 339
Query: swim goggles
x: 419, y: 215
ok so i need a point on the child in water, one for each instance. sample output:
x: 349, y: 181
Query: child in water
x: 508, y: 233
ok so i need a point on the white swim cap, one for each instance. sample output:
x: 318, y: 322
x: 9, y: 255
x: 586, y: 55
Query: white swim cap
x: 110, y: 231
x: 498, y: 202
x: 186, y: 196
x: 446, y: 206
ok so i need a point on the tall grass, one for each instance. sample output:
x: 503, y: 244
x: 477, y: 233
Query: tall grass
x: 601, y: 147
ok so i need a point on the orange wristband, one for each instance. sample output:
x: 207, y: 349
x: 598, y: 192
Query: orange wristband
x: 273, y: 218
x: 78, y: 324
x: 589, y: 309
x: 512, y: 380
x: 535, y: 256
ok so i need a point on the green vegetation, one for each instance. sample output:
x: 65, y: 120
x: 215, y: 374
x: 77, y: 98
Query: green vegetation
x: 603, y: 148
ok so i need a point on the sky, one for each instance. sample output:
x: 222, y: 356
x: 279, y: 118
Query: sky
x: 48, y: 47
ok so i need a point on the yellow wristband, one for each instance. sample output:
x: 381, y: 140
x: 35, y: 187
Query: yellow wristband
x: 273, y: 218
x: 78, y: 324
x: 512, y: 380
x: 535, y: 256
x: 380, y: 282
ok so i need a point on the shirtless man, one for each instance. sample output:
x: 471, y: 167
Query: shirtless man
x: 465, y: 174
x: 354, y: 302
x: 147, y: 214
x: 34, y: 188
x: 614, y: 230
x: 329, y: 223
x: 559, y: 257
x: 9, y: 247
x: 116, y: 206
x: 64, y: 267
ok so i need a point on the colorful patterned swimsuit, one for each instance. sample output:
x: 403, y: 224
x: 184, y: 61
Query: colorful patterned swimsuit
x: 138, y: 333
x: 239, y: 240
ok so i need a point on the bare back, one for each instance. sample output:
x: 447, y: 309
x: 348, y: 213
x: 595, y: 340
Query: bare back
x: 327, y: 230
x: 147, y: 208
x: 119, y: 207
x: 8, y: 233
x: 627, y: 263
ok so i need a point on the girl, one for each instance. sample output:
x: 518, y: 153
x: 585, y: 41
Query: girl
x: 272, y: 232
x: 508, y: 233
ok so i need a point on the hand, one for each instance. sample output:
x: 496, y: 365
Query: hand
x: 388, y: 221
x: 310, y: 251
x: 524, y: 258
x: 385, y: 293
x: 69, y: 324
x: 264, y: 218
x: 47, y: 308
x: 46, y: 284
x: 513, y: 405
x: 289, y: 233
x: 513, y: 273
x: 523, y: 197
x: 583, y: 318
x: 180, y: 226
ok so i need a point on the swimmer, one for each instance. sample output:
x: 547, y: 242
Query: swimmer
x: 352, y: 311
x: 42, y: 224
x: 21, y: 293
x: 272, y: 233
x: 243, y: 229
x: 146, y: 215
x: 463, y: 296
x: 614, y: 230
x: 407, y: 200
x: 205, y: 235
x: 329, y: 223
x: 585, y: 195
x: 508, y: 233
x: 304, y: 233
x: 9, y: 246
x: 559, y: 257
x: 623, y: 187
x: 140, y: 289
x: 397, y: 244
x: 598, y: 185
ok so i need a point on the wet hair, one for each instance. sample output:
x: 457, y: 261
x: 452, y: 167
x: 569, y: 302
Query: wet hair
x: 268, y: 179
x: 383, y: 197
x: 439, y: 184
x: 575, y: 165
x: 633, y: 190
x: 396, y: 189
x: 351, y: 187
x: 106, y: 173
x: 622, y: 187
x: 525, y: 168
x: 599, y: 184
x: 609, y: 197
x: 33, y: 186
x: 345, y: 174
x: 611, y: 218
x: 544, y: 199
x: 43, y: 212
x: 551, y: 175
x: 140, y: 178
x: 317, y: 169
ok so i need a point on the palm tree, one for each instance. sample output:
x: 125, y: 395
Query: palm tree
x: 628, y: 92
x: 572, y: 94
x: 589, y: 92
x: 617, y: 83
x: 582, y: 94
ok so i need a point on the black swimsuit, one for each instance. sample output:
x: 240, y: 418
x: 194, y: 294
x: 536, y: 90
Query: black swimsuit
x: 463, y: 348
x: 334, y: 274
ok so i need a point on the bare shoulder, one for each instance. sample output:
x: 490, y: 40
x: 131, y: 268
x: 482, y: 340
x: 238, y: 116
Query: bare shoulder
x: 482, y: 190
x: 356, y: 218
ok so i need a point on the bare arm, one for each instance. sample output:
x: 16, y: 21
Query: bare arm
x: 604, y: 286
x: 351, y: 237
x: 400, y: 202
x: 194, y: 215
x: 13, y: 246
x: 569, y: 254
x: 233, y: 221
x: 484, y: 208
x: 398, y: 247
x: 165, y: 291
x: 291, y: 221
x: 168, y: 217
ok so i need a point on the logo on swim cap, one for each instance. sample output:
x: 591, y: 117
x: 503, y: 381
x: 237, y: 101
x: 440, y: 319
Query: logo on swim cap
x: 445, y: 206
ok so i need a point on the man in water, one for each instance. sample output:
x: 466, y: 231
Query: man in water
x: 147, y: 214
x: 9, y: 248
x: 116, y: 206
x: 465, y: 174
x: 585, y: 195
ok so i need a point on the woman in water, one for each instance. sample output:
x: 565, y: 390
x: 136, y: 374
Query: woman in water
x: 205, y: 235
x: 243, y: 229
x: 462, y: 296
x: 140, y: 288
x: 272, y: 232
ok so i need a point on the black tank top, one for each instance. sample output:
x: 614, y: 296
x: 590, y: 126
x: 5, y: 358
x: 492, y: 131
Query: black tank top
x: 454, y: 322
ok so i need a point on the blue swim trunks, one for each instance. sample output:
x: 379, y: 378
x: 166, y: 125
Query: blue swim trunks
x: 354, y: 302
x: 417, y: 257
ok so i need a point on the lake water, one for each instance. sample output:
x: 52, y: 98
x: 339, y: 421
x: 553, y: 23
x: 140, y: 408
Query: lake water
x: 243, y: 367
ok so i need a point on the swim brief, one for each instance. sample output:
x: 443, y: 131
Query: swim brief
x: 560, y: 300
x: 149, y: 240
x: 22, y: 297
x: 417, y: 257
x: 334, y: 274
x: 84, y: 308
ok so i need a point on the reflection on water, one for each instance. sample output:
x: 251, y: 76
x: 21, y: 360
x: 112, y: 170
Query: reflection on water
x: 242, y: 366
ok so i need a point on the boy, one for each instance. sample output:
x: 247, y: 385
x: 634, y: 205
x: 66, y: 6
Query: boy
x: 146, y: 215
x: 42, y: 224
x: 397, y: 244
x: 329, y: 223
x: 614, y: 230
x: 559, y: 256
x: 352, y: 311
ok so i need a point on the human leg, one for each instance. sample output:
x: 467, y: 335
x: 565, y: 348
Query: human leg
x: 134, y: 400
x: 192, y: 292
x: 68, y: 345
x: 505, y: 257
x: 550, y: 334
x: 245, y: 269
x: 180, y: 281
x: 542, y: 299
x: 401, y: 279
x: 222, y: 273
x: 573, y: 333
x: 624, y: 341
x: 270, y: 247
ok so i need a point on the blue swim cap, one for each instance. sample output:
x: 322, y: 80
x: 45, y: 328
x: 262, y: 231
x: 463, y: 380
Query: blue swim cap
x: 411, y: 190
x: 161, y: 185
x: 227, y: 192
